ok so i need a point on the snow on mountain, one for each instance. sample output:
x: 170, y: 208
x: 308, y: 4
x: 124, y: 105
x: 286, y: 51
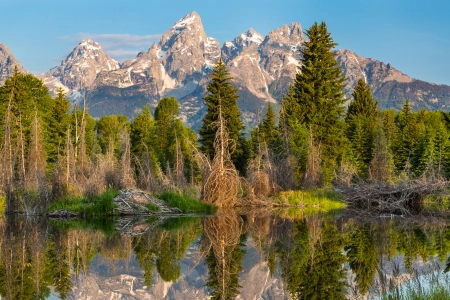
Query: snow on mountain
x: 79, y: 70
x: 180, y: 64
x: 7, y: 63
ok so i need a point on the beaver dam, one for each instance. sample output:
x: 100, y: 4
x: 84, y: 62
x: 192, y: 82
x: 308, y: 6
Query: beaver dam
x: 404, y: 198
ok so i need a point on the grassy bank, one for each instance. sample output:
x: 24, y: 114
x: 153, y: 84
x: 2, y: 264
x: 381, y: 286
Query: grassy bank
x: 103, y: 204
x: 323, y: 200
x: 99, y: 205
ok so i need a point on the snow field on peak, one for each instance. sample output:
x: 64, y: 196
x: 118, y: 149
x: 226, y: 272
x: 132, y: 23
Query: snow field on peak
x: 184, y: 22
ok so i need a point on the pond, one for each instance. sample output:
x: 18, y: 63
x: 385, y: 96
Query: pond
x: 257, y: 255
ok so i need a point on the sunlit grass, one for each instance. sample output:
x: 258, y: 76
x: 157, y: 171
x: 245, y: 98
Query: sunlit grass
x: 309, y: 202
x: 427, y: 287
x: 99, y: 205
x: 2, y: 204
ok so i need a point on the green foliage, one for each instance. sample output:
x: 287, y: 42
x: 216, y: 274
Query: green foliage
x: 142, y: 132
x: 152, y: 207
x: 103, y: 224
x: 100, y: 205
x: 319, y: 95
x: 362, y: 257
x: 362, y: 121
x: 75, y: 127
x: 174, y: 141
x: 323, y: 200
x: 220, y: 92
x: 2, y: 204
x: 110, y: 130
x: 313, y: 265
x: 174, y: 224
x: 185, y: 204
x: 233, y: 267
x: 59, y: 121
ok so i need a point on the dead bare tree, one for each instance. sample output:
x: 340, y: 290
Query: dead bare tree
x: 126, y: 171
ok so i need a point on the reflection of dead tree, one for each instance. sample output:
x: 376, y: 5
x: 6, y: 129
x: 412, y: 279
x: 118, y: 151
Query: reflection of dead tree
x: 221, y: 186
x: 404, y: 198
x: 222, y: 234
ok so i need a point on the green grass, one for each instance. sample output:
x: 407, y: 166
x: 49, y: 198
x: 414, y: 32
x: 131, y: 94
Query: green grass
x: 152, y: 206
x: 185, y: 203
x: 2, y: 204
x: 323, y: 200
x: 99, y: 205
x: 426, y: 287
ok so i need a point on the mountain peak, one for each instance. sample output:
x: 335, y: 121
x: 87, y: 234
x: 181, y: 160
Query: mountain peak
x: 7, y: 63
x: 188, y: 20
x: 81, y: 67
x: 251, y: 36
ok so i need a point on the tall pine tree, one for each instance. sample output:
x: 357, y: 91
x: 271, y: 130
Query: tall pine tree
x: 319, y: 93
x: 362, y: 120
x: 221, y: 92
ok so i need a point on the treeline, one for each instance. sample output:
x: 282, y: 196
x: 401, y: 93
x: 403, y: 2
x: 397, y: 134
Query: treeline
x: 50, y: 149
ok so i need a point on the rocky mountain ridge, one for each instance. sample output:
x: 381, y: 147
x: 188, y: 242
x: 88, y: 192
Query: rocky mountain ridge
x: 7, y: 63
x: 180, y: 64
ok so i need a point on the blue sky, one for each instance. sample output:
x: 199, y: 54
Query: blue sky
x: 413, y: 36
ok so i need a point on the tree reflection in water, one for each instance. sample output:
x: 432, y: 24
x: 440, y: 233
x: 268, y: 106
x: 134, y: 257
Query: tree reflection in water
x: 314, y: 257
x: 223, y: 244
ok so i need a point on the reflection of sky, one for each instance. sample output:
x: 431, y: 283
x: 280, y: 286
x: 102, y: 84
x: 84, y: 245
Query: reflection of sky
x: 424, y: 283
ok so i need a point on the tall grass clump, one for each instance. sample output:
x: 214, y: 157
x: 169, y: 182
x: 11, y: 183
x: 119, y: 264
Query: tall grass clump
x: 185, y: 203
x: 98, y: 205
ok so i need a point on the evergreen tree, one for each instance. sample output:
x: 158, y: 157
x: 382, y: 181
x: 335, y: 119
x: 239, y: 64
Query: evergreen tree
x: 221, y: 92
x: 142, y: 132
x: 110, y: 129
x: 174, y: 142
x: 319, y: 93
x: 406, y: 138
x: 59, y: 121
x: 361, y: 118
x: 268, y: 131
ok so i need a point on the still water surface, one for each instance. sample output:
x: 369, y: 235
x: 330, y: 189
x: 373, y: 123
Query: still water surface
x: 260, y: 255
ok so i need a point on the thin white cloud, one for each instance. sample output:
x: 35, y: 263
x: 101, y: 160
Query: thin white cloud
x: 118, y: 45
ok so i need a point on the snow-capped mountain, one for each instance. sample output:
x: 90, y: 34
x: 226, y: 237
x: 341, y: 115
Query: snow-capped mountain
x: 79, y: 70
x: 180, y: 64
x: 7, y: 63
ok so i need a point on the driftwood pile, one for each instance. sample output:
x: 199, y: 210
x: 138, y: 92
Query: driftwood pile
x: 132, y: 202
x: 405, y: 198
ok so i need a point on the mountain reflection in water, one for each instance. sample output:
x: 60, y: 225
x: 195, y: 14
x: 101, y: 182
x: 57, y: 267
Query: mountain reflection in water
x: 246, y: 256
